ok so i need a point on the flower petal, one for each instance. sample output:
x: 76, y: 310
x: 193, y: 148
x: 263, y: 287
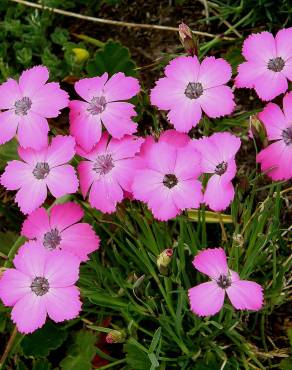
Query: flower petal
x: 219, y: 193
x: 274, y: 120
x: 247, y: 73
x: 31, y: 80
x: 13, y: 286
x: 62, y: 180
x: 31, y: 195
x: 9, y: 94
x: 63, y: 303
x: 183, y: 69
x: 16, y: 174
x: 161, y: 157
x: 36, y: 224
x: 206, y: 299
x: 80, y: 240
x: 88, y: 88
x: 61, y: 268
x: 187, y: 194
x: 117, y: 119
x: 121, y: 87
x: 214, y: 72
x: 259, y: 47
x: 125, y: 148
x: 105, y: 194
x: 61, y: 150
x: 8, y: 126
x: 52, y: 93
x: 245, y: 295
x: 212, y: 262
x: 185, y: 114
x: 29, y: 313
x: 270, y: 84
x: 86, y: 176
x: 283, y: 43
x: 30, y: 259
x: 64, y: 215
x: 33, y: 131
x: 287, y: 106
x: 217, y: 101
x: 167, y: 92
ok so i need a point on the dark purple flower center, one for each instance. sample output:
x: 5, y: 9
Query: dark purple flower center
x: 41, y: 170
x: 52, y: 239
x: 170, y: 180
x: 224, y: 281
x: 276, y: 64
x: 221, y: 168
x: 194, y: 90
x: 97, y: 105
x: 40, y: 286
x: 287, y: 135
x: 103, y: 164
x: 22, y: 106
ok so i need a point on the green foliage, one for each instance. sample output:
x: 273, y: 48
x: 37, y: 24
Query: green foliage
x: 81, y: 352
x: 112, y: 59
x: 43, y: 341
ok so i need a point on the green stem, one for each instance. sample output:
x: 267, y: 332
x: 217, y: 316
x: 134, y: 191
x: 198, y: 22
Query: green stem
x: 112, y: 364
x: 14, y: 250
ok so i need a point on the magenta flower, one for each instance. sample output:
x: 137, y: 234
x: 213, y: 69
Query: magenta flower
x: 207, y: 299
x: 189, y: 88
x: 60, y: 229
x: 27, y: 104
x: 41, y: 284
x: 108, y: 171
x: 276, y: 159
x: 268, y: 63
x: 218, y: 153
x: 168, y: 183
x: 103, y: 104
x: 41, y: 169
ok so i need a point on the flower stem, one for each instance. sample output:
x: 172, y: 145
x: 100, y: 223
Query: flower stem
x: 8, y: 347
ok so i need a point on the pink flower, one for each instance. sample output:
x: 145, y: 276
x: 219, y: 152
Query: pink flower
x: 41, y: 169
x: 59, y: 229
x: 218, y: 152
x: 168, y: 183
x: 27, y: 104
x: 189, y: 88
x: 41, y: 284
x: 268, y: 65
x: 207, y: 299
x: 108, y: 171
x: 103, y: 104
x: 276, y: 159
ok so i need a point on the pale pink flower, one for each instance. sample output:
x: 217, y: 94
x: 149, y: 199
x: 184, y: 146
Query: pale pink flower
x: 26, y: 106
x: 190, y: 88
x: 168, y: 183
x: 39, y: 170
x: 207, y: 299
x: 108, y: 172
x: 218, y: 152
x: 41, y: 285
x: 276, y: 159
x: 104, y: 104
x: 268, y: 63
x: 59, y: 229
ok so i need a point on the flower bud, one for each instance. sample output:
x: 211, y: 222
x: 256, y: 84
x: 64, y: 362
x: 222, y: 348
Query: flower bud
x: 81, y: 55
x: 2, y: 270
x: 163, y: 260
x: 187, y: 39
x: 115, y: 336
x: 257, y: 130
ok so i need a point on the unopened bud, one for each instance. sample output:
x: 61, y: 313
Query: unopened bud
x: 188, y: 39
x: 257, y: 130
x: 238, y: 239
x: 115, y: 336
x: 81, y: 55
x: 163, y: 260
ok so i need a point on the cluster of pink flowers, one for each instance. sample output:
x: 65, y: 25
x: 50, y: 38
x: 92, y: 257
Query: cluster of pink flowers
x: 170, y: 174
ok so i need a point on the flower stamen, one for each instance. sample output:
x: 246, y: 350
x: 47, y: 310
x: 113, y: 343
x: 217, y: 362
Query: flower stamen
x: 194, y: 90
x: 40, y: 286
x: 41, y: 170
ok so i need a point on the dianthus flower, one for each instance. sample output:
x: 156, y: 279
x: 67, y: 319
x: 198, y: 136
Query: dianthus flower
x: 207, y: 299
x: 41, y: 284
x: 168, y: 182
x: 268, y: 63
x: 218, y: 152
x: 108, y: 171
x: 104, y: 103
x: 190, y: 88
x: 276, y: 159
x: 59, y: 229
x: 26, y: 106
x: 41, y: 169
